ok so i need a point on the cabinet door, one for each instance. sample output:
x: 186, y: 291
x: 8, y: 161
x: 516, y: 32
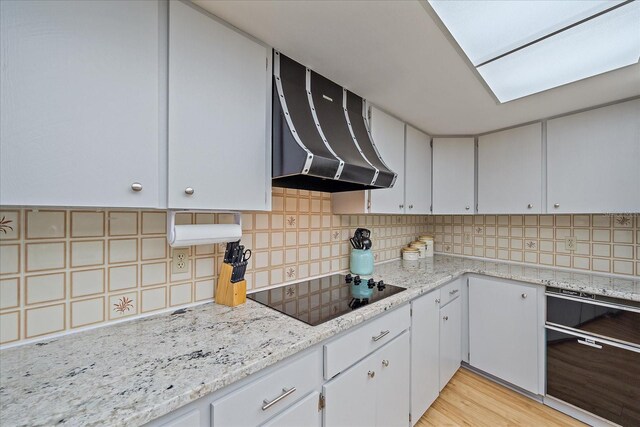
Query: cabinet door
x: 592, y: 161
x: 450, y: 340
x: 79, y: 103
x: 304, y: 413
x: 503, y: 331
x: 453, y: 175
x: 219, y: 140
x: 417, y: 172
x: 350, y: 397
x: 388, y: 135
x: 510, y: 171
x: 392, y: 403
x: 425, y: 353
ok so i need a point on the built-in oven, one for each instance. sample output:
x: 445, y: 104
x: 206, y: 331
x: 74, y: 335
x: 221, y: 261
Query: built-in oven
x: 593, y: 354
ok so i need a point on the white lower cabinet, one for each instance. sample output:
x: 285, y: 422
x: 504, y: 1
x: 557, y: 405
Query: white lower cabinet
x: 373, y: 392
x: 505, y: 331
x: 450, y: 340
x: 260, y: 400
x: 425, y: 353
x: 190, y: 419
x: 304, y: 413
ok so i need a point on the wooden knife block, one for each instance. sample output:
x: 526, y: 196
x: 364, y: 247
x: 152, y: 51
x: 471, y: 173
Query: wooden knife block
x: 227, y: 293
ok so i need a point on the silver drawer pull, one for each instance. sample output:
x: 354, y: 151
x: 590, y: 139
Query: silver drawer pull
x: 590, y: 344
x: 284, y: 394
x: 382, y: 335
x: 453, y: 292
x: 371, y: 374
x: 445, y: 318
x: 385, y: 363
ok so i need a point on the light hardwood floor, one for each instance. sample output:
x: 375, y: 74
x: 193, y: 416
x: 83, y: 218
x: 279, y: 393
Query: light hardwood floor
x: 472, y: 400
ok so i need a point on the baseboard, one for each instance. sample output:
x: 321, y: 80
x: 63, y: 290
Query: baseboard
x: 577, y: 413
x: 497, y: 380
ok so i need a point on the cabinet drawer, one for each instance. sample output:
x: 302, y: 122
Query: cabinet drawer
x: 249, y: 406
x: 449, y: 292
x: 304, y: 413
x: 348, y: 349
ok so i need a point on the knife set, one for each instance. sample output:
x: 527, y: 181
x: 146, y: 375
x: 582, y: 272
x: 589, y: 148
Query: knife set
x: 361, y: 261
x: 232, y: 288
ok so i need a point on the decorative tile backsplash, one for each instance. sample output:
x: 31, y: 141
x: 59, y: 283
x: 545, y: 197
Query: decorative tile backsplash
x: 604, y: 243
x: 68, y: 269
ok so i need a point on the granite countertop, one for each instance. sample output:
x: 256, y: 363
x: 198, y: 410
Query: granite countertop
x: 133, y: 372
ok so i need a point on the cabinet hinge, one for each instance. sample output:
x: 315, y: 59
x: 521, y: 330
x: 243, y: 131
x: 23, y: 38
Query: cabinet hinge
x: 411, y: 311
x: 467, y: 282
x: 431, y: 143
x: 369, y: 204
x: 430, y: 208
x: 409, y: 416
x: 321, y: 402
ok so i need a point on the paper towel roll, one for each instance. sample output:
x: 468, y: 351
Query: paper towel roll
x: 203, y: 234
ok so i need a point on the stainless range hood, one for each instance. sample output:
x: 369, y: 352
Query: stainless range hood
x: 320, y: 139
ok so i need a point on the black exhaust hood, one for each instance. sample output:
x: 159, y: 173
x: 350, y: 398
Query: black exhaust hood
x: 320, y: 139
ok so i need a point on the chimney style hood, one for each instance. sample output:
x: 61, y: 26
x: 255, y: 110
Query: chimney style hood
x: 320, y: 139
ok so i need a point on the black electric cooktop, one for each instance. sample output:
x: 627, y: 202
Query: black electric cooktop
x: 319, y: 300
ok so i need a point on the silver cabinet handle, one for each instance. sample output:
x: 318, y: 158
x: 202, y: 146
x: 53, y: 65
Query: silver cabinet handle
x: 445, y: 318
x: 371, y: 374
x: 136, y: 186
x: 524, y: 296
x: 385, y: 363
x: 410, y: 206
x: 590, y: 344
x: 437, y: 300
x: 467, y: 207
x: 401, y: 206
x: 529, y: 206
x: 189, y: 191
x: 284, y: 394
x: 453, y: 292
x: 382, y: 334
x: 556, y: 205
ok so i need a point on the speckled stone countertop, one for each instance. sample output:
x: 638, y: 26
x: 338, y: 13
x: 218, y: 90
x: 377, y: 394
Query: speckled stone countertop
x: 131, y: 373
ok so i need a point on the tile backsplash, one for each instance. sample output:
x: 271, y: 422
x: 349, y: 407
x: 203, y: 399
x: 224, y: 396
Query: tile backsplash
x: 68, y: 269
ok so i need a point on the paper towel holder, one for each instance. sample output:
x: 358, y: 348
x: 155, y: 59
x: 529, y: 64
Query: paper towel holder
x: 226, y: 232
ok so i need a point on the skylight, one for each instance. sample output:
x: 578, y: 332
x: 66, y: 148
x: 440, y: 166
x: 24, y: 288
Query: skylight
x: 525, y: 47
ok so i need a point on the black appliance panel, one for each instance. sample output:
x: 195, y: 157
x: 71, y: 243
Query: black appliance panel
x: 604, y: 319
x: 600, y: 378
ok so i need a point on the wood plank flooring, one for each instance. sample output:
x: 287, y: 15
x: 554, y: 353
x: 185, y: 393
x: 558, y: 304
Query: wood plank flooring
x: 472, y: 400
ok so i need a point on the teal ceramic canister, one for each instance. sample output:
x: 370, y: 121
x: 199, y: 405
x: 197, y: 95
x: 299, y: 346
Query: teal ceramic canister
x: 361, y: 262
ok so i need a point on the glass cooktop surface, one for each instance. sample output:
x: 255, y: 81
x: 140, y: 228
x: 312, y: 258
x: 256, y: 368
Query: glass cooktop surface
x: 319, y: 300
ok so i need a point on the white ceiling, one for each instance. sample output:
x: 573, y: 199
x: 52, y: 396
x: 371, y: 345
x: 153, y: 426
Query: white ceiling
x: 395, y: 55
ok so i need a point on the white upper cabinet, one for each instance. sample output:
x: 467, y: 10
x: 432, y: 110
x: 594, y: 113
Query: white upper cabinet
x: 219, y: 115
x: 510, y: 171
x: 453, y: 175
x: 80, y: 96
x: 388, y: 135
x: 407, y: 152
x: 417, y: 172
x: 592, y: 161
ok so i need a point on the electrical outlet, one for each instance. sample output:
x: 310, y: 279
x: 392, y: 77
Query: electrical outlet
x: 570, y: 243
x: 180, y: 261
